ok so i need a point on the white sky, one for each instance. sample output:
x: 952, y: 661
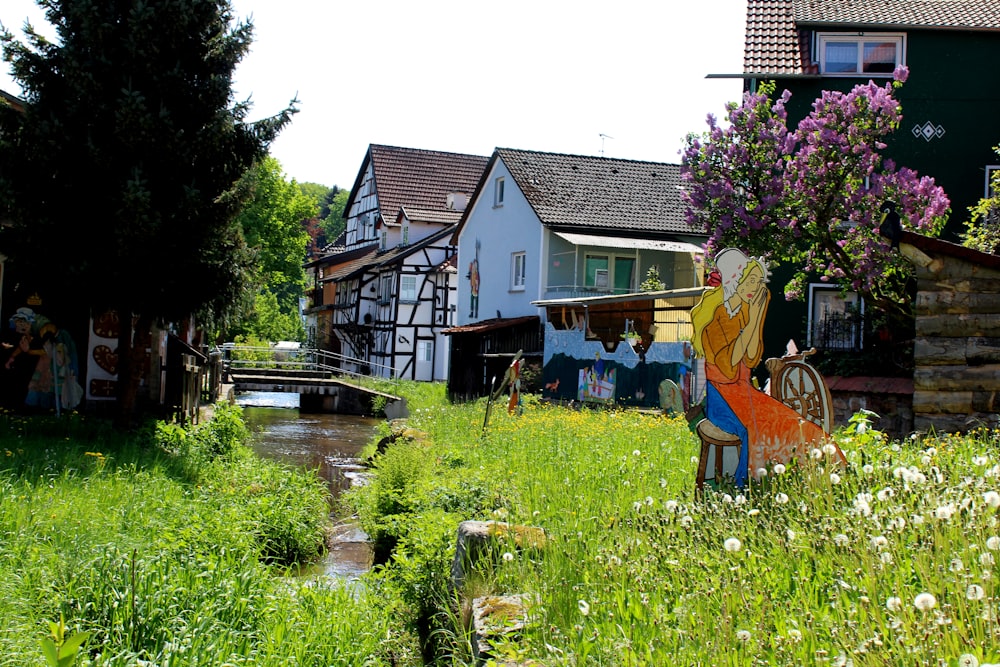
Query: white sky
x: 469, y: 76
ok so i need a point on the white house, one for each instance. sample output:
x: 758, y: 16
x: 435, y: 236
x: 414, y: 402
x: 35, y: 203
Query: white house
x: 548, y: 226
x: 382, y: 299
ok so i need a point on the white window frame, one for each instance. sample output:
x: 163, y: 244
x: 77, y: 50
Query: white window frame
x: 859, y: 39
x: 518, y: 271
x: 498, y: 191
x: 813, y: 318
x: 408, y: 293
x: 425, y: 351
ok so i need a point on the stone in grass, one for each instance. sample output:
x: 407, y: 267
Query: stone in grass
x: 476, y: 537
x: 497, y: 617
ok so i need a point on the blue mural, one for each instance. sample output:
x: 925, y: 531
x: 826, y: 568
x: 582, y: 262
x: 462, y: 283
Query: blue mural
x: 582, y: 369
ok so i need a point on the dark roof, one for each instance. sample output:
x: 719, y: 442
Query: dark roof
x: 418, y: 178
x: 949, y: 249
x: 596, y: 194
x: 491, y: 324
x: 12, y: 100
x: 777, y: 41
x: 438, y: 216
x: 346, y: 264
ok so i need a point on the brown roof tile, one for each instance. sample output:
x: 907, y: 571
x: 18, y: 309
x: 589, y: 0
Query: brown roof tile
x: 421, y: 179
x: 596, y: 193
x: 777, y: 31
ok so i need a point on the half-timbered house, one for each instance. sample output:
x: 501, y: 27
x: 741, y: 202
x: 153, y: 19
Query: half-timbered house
x: 382, y: 298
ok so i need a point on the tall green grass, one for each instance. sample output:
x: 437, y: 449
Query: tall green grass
x: 168, y: 548
x: 889, y: 561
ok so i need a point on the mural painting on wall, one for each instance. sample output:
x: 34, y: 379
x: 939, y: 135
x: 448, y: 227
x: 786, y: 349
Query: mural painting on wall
x: 473, y: 276
x: 579, y: 367
x: 102, y: 360
x: 728, y: 326
x: 41, y: 369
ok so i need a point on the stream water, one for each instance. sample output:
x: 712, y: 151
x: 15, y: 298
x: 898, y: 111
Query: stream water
x: 328, y: 443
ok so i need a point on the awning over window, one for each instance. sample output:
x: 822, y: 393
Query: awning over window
x: 620, y: 242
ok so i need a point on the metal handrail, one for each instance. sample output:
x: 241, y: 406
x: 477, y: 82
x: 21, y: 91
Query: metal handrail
x: 298, y: 358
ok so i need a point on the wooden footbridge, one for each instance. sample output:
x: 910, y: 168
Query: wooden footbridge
x: 321, y: 378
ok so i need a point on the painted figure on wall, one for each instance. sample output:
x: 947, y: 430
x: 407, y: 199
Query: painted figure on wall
x: 728, y: 327
x: 53, y: 382
x: 473, y: 276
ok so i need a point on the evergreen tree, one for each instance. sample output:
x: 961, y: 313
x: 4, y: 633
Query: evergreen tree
x: 122, y: 167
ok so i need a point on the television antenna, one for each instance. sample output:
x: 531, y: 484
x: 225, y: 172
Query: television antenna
x: 603, y: 137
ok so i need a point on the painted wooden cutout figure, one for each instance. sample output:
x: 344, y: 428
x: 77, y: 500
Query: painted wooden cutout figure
x: 728, y: 326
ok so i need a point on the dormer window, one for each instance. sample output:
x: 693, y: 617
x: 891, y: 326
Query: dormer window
x: 860, y: 54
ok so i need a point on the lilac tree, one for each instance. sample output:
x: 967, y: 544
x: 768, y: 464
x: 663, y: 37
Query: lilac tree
x: 811, y: 196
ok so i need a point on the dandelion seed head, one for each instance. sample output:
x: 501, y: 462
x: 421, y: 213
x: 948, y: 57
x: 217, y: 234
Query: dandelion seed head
x: 968, y: 660
x: 761, y: 472
x: 992, y: 498
x: 584, y: 607
x: 841, y: 540
x: 781, y: 498
x: 779, y: 469
x: 993, y: 543
x: 686, y: 520
x: 986, y: 559
x: 925, y: 601
x: 795, y: 635
x: 894, y: 604
x: 508, y: 556
x: 732, y: 544
x: 975, y: 592
x: 867, y: 468
x: 956, y: 565
x: 790, y: 535
x: 885, y: 557
x: 829, y: 449
x: 670, y: 505
x: 815, y: 454
x: 743, y: 635
x: 944, y: 512
x: 834, y: 478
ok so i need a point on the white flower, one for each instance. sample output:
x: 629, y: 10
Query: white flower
x: 868, y: 468
x: 956, y: 565
x: 816, y: 454
x: 992, y: 498
x: 649, y: 501
x: 968, y: 660
x: 975, y: 592
x: 779, y: 469
x: 743, y: 635
x: 925, y: 460
x: 508, y: 556
x: 834, y: 478
x: 781, y: 498
x: 885, y: 494
x: 925, y: 601
x: 790, y: 535
x: 993, y: 543
x: 829, y: 449
x: 917, y: 519
x: 753, y: 512
x: 584, y: 607
x: 761, y: 472
x: 879, y: 541
x: 986, y: 558
x: 670, y: 505
x: 740, y: 499
x: 885, y: 557
x: 795, y: 635
x: 686, y: 520
x: 636, y: 452
x: 894, y: 604
x: 732, y: 544
x: 694, y: 459
x: 944, y: 512
x: 637, y: 505
x: 726, y: 498
x: 931, y: 451
x: 663, y: 483
x: 841, y: 540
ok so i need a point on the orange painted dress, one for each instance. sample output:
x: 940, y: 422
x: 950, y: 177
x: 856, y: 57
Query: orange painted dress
x: 771, y: 432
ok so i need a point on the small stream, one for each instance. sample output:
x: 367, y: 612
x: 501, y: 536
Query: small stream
x: 328, y: 443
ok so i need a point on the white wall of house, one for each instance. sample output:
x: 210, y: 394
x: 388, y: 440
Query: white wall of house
x: 361, y: 212
x: 502, y: 229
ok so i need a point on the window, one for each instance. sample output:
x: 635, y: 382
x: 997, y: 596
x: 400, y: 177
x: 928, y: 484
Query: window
x: 609, y: 272
x: 408, y: 288
x: 517, y: 270
x: 406, y: 233
x: 498, y: 192
x: 385, y: 238
x: 835, y: 318
x: 425, y: 350
x: 385, y: 288
x: 856, y: 54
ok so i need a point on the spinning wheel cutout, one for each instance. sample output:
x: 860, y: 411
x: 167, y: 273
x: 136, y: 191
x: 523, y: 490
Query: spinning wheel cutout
x: 800, y: 386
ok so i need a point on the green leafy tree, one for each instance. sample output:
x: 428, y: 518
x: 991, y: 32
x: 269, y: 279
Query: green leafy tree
x: 982, y: 231
x: 652, y: 283
x: 334, y: 223
x: 272, y: 226
x: 122, y: 167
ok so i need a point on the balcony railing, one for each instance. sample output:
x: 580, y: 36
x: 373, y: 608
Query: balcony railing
x: 580, y: 291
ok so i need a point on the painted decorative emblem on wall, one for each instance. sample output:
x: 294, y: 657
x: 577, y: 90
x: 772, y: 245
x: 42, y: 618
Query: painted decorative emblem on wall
x: 928, y: 131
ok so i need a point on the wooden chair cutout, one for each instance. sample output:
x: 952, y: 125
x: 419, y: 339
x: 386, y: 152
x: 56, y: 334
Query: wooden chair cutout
x: 793, y: 382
